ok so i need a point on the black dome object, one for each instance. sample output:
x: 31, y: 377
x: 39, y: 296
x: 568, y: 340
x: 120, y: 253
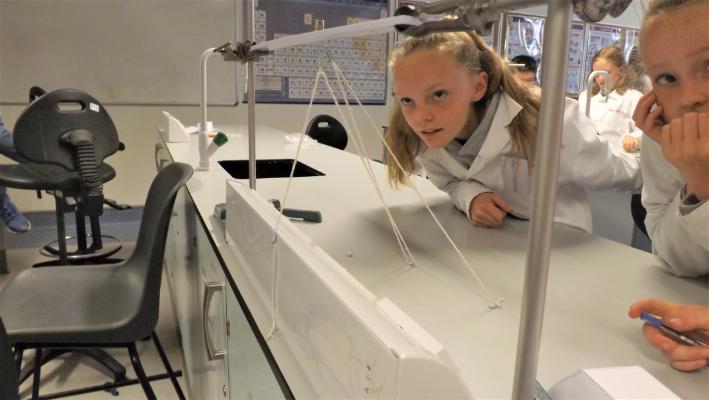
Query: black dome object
x: 327, y: 130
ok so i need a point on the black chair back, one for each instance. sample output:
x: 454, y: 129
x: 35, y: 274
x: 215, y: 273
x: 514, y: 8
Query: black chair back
x: 147, y: 259
x: 327, y: 130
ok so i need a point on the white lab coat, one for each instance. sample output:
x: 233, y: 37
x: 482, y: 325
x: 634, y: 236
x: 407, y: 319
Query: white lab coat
x: 587, y: 161
x: 679, y: 240
x: 613, y: 115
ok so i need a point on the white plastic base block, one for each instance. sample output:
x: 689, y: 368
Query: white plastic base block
x: 611, y: 383
x: 172, y: 130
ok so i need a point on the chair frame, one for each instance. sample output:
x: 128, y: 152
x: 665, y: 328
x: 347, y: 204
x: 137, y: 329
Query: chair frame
x: 142, y: 377
x: 140, y: 274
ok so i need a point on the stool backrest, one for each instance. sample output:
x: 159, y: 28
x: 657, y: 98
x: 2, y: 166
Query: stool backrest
x: 40, y: 128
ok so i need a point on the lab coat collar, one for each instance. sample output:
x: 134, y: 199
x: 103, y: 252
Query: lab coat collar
x: 476, y: 140
x: 612, y: 96
x: 499, y: 136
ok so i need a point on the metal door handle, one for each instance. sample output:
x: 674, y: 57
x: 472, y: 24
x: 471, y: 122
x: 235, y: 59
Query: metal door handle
x: 209, y: 289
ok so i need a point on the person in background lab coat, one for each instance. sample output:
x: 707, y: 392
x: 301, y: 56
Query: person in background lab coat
x: 472, y: 125
x: 674, y: 46
x: 613, y: 113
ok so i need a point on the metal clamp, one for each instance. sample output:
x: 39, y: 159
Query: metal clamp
x: 209, y: 289
x: 241, y: 52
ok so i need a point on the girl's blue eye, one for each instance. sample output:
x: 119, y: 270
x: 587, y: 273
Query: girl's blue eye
x: 405, y: 101
x: 665, y: 79
x: 439, y: 94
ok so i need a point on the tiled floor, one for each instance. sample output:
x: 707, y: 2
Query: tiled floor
x: 75, y: 371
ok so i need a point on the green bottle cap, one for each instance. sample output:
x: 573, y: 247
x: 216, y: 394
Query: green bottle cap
x: 220, y: 138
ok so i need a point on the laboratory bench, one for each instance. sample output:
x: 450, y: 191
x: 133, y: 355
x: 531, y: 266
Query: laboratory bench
x: 355, y: 318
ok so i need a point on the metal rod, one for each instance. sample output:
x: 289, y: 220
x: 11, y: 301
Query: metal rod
x: 203, y: 131
x: 444, y: 6
x: 504, y: 5
x: 251, y: 98
x: 439, y: 7
x: 546, y: 165
x: 252, y: 124
x: 366, y: 28
x: 589, y: 86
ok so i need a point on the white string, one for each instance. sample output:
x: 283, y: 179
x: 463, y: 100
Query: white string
x: 494, y: 299
x: 274, y: 287
x: 364, y: 157
x: 359, y: 145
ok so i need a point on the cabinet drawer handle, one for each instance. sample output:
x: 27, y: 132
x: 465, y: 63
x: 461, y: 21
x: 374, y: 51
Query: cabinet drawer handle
x: 209, y: 289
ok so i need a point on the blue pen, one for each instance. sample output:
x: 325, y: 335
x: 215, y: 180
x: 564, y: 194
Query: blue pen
x: 673, y: 334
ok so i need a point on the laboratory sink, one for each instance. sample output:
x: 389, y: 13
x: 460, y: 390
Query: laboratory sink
x: 277, y: 168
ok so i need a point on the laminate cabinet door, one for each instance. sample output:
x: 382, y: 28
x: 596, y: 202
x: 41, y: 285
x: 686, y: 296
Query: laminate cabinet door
x: 250, y: 376
x: 210, y: 362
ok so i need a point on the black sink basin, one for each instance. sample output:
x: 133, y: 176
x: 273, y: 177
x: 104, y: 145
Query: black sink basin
x: 280, y: 168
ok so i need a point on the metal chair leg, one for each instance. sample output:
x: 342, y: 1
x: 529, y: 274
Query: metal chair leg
x: 140, y: 373
x: 113, y: 367
x: 19, y: 349
x: 61, y: 230
x: 168, y: 367
x: 37, y: 368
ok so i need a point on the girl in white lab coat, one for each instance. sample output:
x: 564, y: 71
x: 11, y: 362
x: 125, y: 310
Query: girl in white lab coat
x: 674, y: 47
x: 472, y: 126
x: 613, y: 113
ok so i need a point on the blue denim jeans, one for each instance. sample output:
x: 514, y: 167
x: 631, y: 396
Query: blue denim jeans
x: 7, y: 148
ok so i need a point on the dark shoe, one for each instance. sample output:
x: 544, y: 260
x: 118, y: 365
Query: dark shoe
x: 15, y: 221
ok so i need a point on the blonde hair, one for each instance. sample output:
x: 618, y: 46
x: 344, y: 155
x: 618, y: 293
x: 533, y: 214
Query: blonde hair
x: 614, y: 55
x: 658, y: 7
x: 471, y: 52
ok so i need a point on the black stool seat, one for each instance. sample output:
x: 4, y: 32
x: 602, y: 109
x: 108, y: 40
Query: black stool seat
x: 104, y: 313
x: 40, y: 176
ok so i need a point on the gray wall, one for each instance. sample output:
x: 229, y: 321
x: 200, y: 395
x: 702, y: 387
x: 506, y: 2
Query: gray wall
x: 137, y: 124
x: 120, y: 51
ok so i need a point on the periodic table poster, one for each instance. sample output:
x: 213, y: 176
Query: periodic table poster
x: 287, y: 75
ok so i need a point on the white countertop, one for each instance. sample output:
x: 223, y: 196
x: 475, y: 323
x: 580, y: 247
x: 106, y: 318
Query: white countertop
x: 592, y: 281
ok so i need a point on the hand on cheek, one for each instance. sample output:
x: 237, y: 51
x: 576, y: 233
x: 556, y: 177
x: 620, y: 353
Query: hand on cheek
x: 648, y: 120
x: 488, y: 210
x: 685, y: 144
